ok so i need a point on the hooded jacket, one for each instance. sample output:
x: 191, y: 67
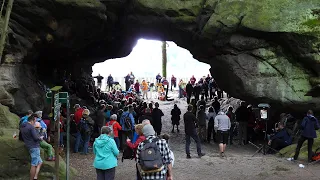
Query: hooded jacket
x: 222, y: 122
x: 30, y: 136
x: 106, y: 152
x: 309, y: 125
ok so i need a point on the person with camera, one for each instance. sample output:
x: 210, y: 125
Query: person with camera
x: 309, y: 126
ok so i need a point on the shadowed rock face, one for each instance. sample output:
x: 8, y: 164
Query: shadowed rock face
x: 263, y: 50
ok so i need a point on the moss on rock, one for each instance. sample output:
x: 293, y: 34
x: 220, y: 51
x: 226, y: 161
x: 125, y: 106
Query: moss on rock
x: 15, y: 160
x: 289, y: 151
x: 8, y: 119
x: 82, y: 3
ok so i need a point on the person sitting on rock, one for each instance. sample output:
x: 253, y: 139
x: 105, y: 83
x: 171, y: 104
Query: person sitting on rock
x: 281, y: 139
x: 43, y: 144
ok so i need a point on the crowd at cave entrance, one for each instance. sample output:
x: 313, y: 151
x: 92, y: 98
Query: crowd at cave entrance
x: 130, y: 121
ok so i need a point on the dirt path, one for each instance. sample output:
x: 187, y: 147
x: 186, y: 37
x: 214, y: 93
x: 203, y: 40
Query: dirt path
x: 237, y: 165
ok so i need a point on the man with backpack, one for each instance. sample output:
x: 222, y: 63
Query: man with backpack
x: 153, y: 157
x: 127, y: 124
x: 309, y: 126
x: 85, y: 129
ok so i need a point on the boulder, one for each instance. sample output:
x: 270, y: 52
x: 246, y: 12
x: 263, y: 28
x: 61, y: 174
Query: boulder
x: 289, y: 151
x: 8, y: 119
x: 15, y: 160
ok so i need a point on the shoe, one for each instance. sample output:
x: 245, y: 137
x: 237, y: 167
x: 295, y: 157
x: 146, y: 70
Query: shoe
x: 222, y: 154
x: 201, y: 154
x: 188, y: 156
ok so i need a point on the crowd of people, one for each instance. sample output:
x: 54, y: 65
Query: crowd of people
x: 125, y: 122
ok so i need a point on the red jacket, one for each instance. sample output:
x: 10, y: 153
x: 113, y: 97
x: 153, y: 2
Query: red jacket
x: 116, y: 127
x: 78, y: 115
x: 135, y: 145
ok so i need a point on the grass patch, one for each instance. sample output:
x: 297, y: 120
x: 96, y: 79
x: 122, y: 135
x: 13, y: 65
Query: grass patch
x: 312, y: 23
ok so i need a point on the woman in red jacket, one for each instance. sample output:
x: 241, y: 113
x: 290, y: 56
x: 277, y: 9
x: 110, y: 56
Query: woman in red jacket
x: 135, y: 145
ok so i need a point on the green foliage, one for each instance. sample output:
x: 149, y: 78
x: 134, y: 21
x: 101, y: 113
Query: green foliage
x: 82, y: 3
x: 312, y: 23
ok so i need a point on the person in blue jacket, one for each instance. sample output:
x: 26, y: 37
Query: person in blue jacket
x: 281, y: 139
x: 126, y: 132
x: 106, y: 152
x: 309, y: 126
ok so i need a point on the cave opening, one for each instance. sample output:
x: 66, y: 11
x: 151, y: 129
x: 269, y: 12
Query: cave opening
x: 145, y: 61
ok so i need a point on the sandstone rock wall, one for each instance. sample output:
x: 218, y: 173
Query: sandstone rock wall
x: 263, y: 50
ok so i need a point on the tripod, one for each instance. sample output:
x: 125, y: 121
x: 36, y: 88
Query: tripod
x: 263, y: 147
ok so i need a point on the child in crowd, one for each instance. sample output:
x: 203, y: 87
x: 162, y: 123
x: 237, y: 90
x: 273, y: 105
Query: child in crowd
x: 43, y: 144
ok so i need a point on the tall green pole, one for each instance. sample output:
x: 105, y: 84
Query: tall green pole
x: 164, y: 59
x: 5, y: 28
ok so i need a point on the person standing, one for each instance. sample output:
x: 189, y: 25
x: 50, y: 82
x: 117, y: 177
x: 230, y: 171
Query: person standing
x: 309, y: 126
x: 173, y: 82
x: 193, y: 80
x: 110, y: 82
x: 161, y: 156
x: 158, y: 79
x: 197, y: 91
x: 242, y: 116
x: 137, y: 87
x: 145, y: 88
x: 210, y: 117
x: 190, y: 130
x: 175, y: 117
x: 132, y: 78
x: 222, y: 124
x: 189, y: 89
x: 32, y: 140
x: 85, y: 130
x: 101, y: 117
x: 115, y: 128
x: 106, y: 153
x: 216, y: 104
x: 232, y: 118
x: 99, y: 80
x: 201, y: 116
x: 181, y: 87
x: 156, y: 117
x: 127, y: 82
x: 127, y: 123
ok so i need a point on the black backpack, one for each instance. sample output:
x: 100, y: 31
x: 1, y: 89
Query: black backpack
x: 150, y: 157
x: 127, y: 122
x: 127, y: 153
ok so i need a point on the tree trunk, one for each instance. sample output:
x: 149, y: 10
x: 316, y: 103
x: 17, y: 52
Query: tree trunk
x: 164, y: 59
x: 5, y: 28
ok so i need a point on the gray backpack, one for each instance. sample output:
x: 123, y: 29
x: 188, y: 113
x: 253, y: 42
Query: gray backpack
x: 150, y: 157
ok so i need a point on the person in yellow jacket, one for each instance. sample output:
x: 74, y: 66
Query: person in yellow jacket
x: 145, y: 89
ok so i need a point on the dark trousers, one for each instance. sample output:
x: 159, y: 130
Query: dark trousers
x: 108, y: 174
x: 220, y: 94
x: 109, y: 87
x: 127, y: 85
x: 124, y: 135
x: 188, y: 98
x: 278, y: 144
x: 231, y: 133
x: 300, y: 142
x: 174, y: 85
x: 211, y: 93
x: 211, y: 132
x: 195, y: 137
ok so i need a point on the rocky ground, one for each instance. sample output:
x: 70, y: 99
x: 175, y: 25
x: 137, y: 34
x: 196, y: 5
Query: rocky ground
x: 239, y: 163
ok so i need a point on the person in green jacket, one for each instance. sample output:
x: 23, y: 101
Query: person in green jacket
x: 106, y: 152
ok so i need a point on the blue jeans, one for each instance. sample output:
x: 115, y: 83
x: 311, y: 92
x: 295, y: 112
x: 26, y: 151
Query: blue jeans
x: 62, y: 134
x: 86, y: 139
x: 180, y: 93
x: 78, y: 142
x: 35, y: 156
x: 117, y: 140
x: 195, y: 137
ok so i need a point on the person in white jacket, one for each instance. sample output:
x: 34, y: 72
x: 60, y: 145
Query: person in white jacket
x: 222, y: 125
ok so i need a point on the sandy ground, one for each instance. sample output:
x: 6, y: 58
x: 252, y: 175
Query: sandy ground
x: 239, y: 163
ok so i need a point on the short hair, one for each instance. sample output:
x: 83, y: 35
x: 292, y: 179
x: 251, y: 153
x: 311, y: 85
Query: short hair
x: 146, y: 121
x: 86, y: 112
x: 166, y: 137
x: 31, y: 118
x: 211, y: 109
x: 190, y: 107
x: 310, y: 112
x: 201, y: 107
x: 138, y: 128
x: 126, y: 108
x: 29, y: 112
x: 113, y: 117
x: 105, y: 130
x: 156, y: 104
x: 76, y: 106
x: 38, y: 113
x: 230, y: 108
